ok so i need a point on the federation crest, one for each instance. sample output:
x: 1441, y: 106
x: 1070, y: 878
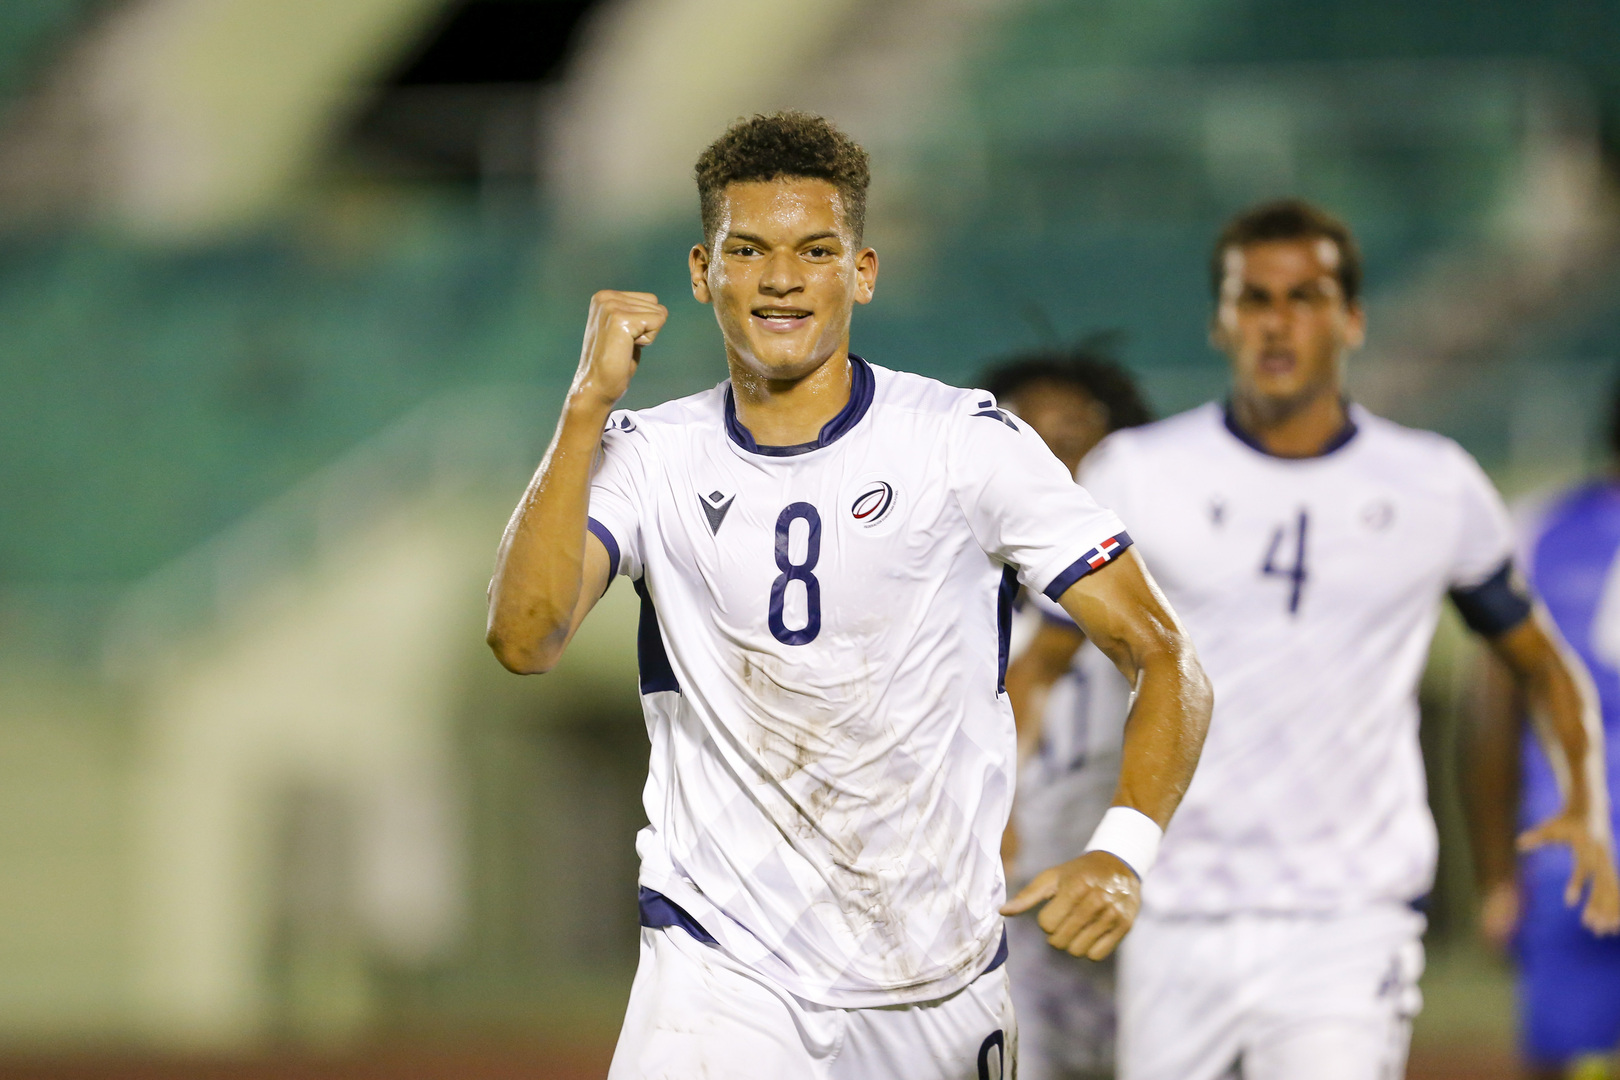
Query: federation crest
x: 873, y: 504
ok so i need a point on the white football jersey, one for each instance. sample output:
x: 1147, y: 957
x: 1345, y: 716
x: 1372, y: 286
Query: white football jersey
x: 1311, y: 588
x: 824, y: 633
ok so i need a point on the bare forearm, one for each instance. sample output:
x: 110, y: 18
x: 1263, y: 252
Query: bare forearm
x: 1493, y: 726
x: 1563, y: 706
x: 1164, y: 734
x: 539, y: 569
x: 1122, y: 611
x: 535, y: 596
x: 1026, y: 693
x: 1031, y: 676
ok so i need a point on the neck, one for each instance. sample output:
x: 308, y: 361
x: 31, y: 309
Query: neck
x: 1292, y: 429
x: 788, y: 412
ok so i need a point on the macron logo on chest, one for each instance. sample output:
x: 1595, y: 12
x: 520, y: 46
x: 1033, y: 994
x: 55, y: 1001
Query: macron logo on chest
x: 716, y: 505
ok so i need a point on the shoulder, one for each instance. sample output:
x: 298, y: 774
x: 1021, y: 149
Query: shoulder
x: 908, y: 392
x: 637, y: 427
x: 1415, y: 456
x: 678, y: 412
x: 1389, y: 437
x: 969, y: 426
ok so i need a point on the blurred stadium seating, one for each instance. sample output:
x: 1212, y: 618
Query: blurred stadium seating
x: 259, y: 787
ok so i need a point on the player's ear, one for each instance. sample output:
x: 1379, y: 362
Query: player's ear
x: 698, y: 261
x: 1355, y: 325
x: 866, y: 271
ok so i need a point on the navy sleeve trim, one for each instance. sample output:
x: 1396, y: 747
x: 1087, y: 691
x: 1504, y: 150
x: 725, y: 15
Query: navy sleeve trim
x: 1006, y: 596
x: 659, y: 911
x: 1494, y: 606
x: 601, y: 532
x: 1095, y: 559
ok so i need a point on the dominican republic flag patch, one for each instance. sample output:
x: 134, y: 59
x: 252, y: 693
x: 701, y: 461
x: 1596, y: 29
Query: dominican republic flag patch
x: 1103, y: 552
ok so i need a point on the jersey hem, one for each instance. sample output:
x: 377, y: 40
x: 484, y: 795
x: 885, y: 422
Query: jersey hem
x: 744, y: 948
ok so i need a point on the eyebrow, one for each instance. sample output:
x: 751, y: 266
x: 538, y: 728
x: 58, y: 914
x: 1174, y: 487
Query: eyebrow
x: 828, y: 234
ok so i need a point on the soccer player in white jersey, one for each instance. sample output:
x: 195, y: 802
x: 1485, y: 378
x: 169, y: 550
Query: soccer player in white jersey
x: 1308, y: 545
x: 1069, y: 703
x: 827, y: 551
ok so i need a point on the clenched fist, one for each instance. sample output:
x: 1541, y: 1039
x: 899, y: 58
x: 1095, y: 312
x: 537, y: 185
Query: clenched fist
x: 1091, y: 903
x: 620, y: 324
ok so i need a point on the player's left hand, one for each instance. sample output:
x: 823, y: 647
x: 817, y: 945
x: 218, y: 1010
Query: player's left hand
x: 1594, y: 866
x: 1091, y: 904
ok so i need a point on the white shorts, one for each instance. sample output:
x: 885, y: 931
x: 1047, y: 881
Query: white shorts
x: 1270, y: 997
x: 696, y: 1012
x: 1065, y: 1007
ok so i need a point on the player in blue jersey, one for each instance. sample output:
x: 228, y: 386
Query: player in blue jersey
x: 827, y: 551
x: 1569, y: 978
x: 1070, y: 705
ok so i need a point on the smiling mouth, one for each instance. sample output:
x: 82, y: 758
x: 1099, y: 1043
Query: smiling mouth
x: 782, y: 319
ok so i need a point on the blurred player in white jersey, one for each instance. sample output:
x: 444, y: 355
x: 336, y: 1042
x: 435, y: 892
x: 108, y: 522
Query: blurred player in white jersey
x: 1308, y: 545
x: 827, y: 552
x: 1070, y: 704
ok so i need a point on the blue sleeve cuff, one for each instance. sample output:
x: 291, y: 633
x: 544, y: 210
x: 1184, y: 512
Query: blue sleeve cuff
x: 1095, y: 559
x: 1494, y: 606
x: 600, y: 531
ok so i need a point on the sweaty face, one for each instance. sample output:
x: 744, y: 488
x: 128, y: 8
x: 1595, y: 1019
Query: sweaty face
x: 1283, y: 321
x: 1069, y: 420
x: 783, y: 272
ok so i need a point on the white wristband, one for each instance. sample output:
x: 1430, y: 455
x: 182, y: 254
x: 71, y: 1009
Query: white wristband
x: 1130, y: 836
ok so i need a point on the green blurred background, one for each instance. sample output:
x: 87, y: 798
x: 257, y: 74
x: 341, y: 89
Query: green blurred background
x: 290, y: 290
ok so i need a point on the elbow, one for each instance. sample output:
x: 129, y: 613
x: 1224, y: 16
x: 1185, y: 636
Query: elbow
x: 1200, y: 686
x: 517, y: 659
x: 1198, y: 694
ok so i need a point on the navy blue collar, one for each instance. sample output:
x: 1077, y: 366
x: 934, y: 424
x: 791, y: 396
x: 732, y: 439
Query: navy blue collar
x: 862, y: 384
x: 1344, y: 435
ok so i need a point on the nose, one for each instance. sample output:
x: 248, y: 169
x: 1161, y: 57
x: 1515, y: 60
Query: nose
x: 1276, y: 317
x: 781, y: 275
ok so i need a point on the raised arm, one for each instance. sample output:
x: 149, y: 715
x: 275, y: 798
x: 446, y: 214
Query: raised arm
x: 1091, y: 902
x: 548, y: 572
x: 1563, y: 708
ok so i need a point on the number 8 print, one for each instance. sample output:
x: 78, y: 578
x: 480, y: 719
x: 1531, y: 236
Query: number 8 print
x: 792, y: 572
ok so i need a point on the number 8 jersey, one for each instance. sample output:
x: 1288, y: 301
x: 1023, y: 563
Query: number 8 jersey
x: 823, y: 640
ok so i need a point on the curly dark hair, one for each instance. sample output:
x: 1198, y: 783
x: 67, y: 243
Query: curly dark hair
x: 766, y: 146
x: 1084, y: 366
x: 1289, y: 219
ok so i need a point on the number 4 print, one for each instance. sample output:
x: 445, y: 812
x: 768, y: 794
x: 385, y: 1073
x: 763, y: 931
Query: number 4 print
x: 1296, y: 574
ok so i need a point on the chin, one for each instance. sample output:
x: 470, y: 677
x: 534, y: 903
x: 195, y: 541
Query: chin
x: 785, y: 359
